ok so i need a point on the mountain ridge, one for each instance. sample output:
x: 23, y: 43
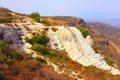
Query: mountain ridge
x: 114, y: 22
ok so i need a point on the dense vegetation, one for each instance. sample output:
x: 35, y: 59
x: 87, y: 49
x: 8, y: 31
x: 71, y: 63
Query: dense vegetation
x: 35, y: 16
x: 5, y: 20
x: 40, y: 39
x: 84, y: 31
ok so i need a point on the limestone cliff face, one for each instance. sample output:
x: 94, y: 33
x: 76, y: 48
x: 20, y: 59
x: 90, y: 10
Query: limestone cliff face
x: 71, y: 40
x: 90, y: 40
x: 63, y: 38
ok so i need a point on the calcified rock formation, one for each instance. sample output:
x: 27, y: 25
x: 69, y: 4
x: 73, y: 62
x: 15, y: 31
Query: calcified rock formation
x: 63, y: 38
x: 90, y: 40
x: 71, y: 40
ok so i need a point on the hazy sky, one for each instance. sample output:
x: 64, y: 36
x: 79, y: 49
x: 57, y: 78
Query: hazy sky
x: 87, y: 9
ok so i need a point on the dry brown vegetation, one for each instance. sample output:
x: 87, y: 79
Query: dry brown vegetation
x: 53, y: 22
x: 64, y: 20
x: 16, y: 65
x: 103, y: 35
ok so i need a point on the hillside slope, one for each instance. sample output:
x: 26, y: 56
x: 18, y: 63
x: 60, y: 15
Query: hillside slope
x: 107, y: 41
x: 103, y: 35
x: 107, y: 31
x: 47, y: 56
x: 114, y: 22
x: 32, y: 51
x: 65, y: 20
x: 105, y: 28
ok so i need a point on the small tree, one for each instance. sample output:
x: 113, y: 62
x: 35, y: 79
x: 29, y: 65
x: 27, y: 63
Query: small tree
x: 35, y: 16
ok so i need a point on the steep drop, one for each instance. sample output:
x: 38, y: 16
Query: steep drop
x: 71, y: 40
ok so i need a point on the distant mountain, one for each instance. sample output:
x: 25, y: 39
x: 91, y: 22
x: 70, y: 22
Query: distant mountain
x: 106, y: 31
x: 105, y: 28
x: 114, y: 22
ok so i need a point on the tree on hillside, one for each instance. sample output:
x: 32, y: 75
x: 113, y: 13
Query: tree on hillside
x: 84, y: 31
x: 35, y: 16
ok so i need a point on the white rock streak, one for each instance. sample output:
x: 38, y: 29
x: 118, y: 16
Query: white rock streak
x: 71, y: 40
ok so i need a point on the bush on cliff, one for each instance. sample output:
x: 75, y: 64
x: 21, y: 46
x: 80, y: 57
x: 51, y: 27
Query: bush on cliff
x: 40, y: 48
x: 38, y: 39
x: 84, y: 31
x: 35, y: 16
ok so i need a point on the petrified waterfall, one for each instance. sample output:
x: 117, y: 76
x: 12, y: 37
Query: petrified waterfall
x: 71, y: 40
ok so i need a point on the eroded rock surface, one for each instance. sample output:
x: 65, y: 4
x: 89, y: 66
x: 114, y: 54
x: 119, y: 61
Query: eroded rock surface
x: 72, y: 41
x: 64, y: 38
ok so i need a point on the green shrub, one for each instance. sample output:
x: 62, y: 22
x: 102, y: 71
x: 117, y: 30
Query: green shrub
x: 35, y: 16
x: 41, y: 60
x: 5, y: 20
x: 3, y: 59
x: 46, y: 22
x: 38, y: 39
x: 84, y: 31
x: 41, y: 39
x: 3, y: 45
x: 40, y: 48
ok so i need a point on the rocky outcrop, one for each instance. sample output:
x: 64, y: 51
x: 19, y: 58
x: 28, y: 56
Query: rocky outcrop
x: 63, y: 38
x: 10, y: 35
x: 89, y: 39
x: 72, y: 41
